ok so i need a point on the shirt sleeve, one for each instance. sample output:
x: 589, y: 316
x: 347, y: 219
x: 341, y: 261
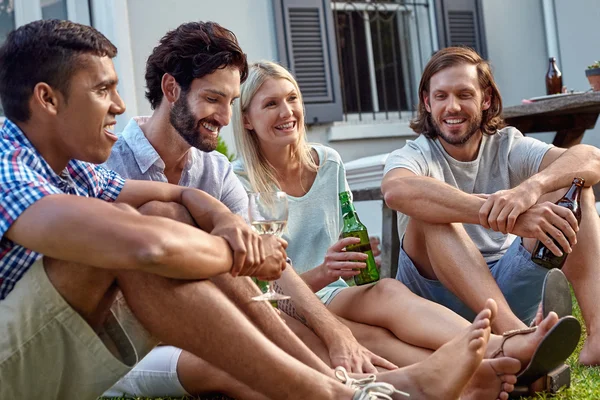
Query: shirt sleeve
x: 20, y: 186
x: 525, y: 157
x: 234, y: 195
x: 108, y: 184
x: 411, y: 157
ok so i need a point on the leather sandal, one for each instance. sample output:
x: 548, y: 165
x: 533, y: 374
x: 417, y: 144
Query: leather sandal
x: 556, y: 295
x: 551, y: 352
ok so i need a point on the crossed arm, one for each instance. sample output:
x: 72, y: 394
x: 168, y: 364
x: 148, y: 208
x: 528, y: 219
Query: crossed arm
x: 113, y: 236
x: 514, y: 210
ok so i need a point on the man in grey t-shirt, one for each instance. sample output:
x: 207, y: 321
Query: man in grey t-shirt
x: 466, y: 189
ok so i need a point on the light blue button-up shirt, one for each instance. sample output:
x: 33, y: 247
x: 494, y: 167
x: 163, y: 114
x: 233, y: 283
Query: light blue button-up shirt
x: 134, y: 157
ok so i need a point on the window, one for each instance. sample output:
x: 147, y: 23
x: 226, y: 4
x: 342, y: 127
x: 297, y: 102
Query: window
x: 54, y: 9
x: 362, y: 59
x: 372, y: 57
x: 362, y: 56
x: 7, y: 18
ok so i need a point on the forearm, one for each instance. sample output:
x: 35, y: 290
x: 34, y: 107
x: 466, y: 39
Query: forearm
x: 578, y: 161
x: 203, y: 207
x: 430, y: 200
x: 105, y: 235
x: 309, y: 308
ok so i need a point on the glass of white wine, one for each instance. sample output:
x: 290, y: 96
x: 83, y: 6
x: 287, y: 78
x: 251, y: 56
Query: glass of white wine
x: 268, y: 213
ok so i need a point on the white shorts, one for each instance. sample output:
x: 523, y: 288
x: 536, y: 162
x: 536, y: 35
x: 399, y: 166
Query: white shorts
x: 48, y: 351
x: 154, y: 376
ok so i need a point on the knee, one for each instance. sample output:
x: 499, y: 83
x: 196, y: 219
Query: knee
x: 169, y: 210
x: 126, y: 208
x: 388, y: 288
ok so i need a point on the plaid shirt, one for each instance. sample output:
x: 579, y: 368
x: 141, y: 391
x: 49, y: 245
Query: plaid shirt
x: 25, y: 177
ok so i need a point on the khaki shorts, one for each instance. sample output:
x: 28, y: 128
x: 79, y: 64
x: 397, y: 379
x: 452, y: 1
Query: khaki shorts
x: 48, y: 351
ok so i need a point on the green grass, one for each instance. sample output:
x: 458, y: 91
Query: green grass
x: 585, y: 381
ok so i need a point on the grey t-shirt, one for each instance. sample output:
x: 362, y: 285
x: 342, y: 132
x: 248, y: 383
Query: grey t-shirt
x: 134, y: 157
x: 504, y: 161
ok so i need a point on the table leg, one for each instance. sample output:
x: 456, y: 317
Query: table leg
x: 568, y: 137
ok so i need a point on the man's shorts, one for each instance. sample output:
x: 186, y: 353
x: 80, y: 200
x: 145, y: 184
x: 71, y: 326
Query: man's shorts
x: 519, y: 279
x: 48, y: 351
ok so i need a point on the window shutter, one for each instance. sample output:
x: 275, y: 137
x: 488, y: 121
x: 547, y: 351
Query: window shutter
x: 460, y: 22
x: 307, y: 47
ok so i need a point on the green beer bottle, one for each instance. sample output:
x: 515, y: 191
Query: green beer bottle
x: 354, y: 228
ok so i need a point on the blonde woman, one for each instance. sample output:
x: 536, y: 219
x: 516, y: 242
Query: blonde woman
x: 273, y: 154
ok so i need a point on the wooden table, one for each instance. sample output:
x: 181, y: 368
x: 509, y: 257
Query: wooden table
x: 569, y: 116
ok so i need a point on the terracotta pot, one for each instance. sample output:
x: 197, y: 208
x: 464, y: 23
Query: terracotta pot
x: 593, y: 76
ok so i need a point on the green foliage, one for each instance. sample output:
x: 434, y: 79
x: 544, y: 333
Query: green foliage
x: 594, y: 65
x: 222, y: 148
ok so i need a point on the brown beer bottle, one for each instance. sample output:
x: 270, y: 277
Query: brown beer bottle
x: 553, y: 78
x: 541, y: 255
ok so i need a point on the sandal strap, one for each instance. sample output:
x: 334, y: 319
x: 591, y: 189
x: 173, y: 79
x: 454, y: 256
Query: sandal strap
x: 507, y: 335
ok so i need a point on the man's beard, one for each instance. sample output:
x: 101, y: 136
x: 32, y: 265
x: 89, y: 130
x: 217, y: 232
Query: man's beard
x: 188, y: 127
x: 473, y: 127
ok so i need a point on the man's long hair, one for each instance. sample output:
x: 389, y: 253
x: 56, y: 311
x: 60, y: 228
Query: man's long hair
x: 491, y: 120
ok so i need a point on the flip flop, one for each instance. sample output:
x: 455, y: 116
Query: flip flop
x: 552, y: 351
x: 556, y: 295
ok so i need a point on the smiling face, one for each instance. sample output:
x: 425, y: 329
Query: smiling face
x: 456, y: 102
x: 199, y: 113
x: 85, y: 120
x: 275, y: 113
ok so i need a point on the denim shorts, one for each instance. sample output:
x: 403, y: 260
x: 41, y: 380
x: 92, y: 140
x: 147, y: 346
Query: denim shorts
x: 519, y: 279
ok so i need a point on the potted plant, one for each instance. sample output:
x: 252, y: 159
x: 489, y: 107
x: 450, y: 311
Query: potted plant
x: 593, y: 74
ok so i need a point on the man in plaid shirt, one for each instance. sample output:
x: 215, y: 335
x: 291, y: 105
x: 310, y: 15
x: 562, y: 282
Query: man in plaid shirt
x: 88, y: 284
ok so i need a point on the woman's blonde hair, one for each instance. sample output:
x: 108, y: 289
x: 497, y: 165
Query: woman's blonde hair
x: 260, y: 172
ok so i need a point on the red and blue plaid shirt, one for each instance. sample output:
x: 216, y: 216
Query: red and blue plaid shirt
x: 25, y: 177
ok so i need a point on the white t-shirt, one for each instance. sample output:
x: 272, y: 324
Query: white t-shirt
x: 315, y: 219
x: 504, y: 161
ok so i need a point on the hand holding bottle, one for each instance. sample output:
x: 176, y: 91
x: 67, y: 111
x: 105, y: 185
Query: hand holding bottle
x: 339, y: 263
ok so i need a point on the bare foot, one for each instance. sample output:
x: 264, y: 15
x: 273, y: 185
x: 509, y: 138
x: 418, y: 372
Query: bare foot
x: 445, y: 373
x: 523, y: 346
x: 590, y: 354
x: 494, y: 379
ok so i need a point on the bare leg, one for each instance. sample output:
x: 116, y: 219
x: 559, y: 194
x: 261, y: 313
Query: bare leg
x: 447, y: 372
x: 240, y: 290
x: 198, y: 376
x: 218, y: 332
x: 446, y: 252
x: 583, y: 271
x: 382, y: 341
x: 222, y: 335
x: 391, y: 305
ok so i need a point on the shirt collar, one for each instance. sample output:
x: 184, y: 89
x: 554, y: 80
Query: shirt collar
x: 143, y: 151
x: 11, y: 131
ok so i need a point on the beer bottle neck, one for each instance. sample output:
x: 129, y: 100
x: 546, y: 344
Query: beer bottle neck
x: 574, y: 192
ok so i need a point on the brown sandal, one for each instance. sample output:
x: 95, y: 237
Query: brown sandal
x: 507, y: 335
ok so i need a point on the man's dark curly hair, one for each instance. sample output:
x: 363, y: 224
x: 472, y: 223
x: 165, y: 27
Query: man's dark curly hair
x: 191, y: 51
x: 45, y: 51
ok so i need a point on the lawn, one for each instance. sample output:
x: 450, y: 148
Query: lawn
x: 585, y: 381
